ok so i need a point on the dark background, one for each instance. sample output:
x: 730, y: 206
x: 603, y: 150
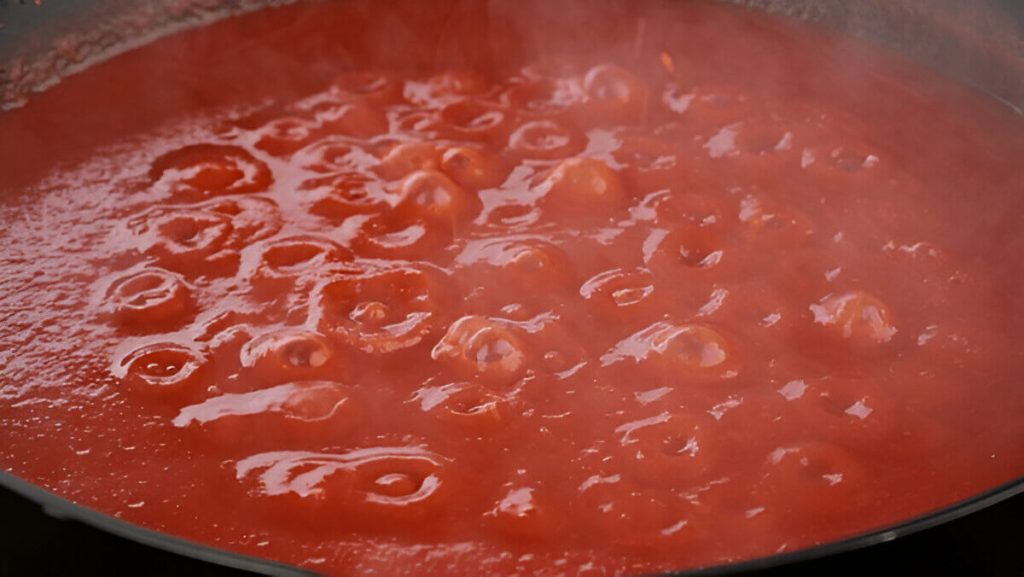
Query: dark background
x: 988, y: 543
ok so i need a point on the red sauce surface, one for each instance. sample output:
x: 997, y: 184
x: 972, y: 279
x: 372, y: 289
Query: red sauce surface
x: 490, y: 289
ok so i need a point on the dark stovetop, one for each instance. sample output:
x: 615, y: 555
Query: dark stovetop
x: 988, y: 543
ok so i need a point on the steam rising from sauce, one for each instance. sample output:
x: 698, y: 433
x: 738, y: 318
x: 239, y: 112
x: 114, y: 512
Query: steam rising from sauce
x: 535, y: 277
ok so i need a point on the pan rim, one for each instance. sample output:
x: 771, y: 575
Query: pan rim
x: 61, y: 508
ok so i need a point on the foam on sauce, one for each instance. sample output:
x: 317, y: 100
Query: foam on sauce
x: 401, y: 288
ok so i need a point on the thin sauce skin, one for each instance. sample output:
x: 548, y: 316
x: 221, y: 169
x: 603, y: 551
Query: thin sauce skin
x: 630, y: 287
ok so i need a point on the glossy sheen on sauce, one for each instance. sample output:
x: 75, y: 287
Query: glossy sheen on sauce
x: 390, y: 287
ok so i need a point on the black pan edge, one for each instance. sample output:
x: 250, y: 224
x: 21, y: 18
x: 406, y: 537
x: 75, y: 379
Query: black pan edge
x: 882, y: 535
x: 61, y: 508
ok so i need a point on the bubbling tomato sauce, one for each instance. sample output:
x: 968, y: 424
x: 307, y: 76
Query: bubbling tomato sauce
x: 472, y: 289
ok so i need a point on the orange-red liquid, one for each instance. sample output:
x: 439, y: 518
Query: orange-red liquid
x: 483, y: 288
